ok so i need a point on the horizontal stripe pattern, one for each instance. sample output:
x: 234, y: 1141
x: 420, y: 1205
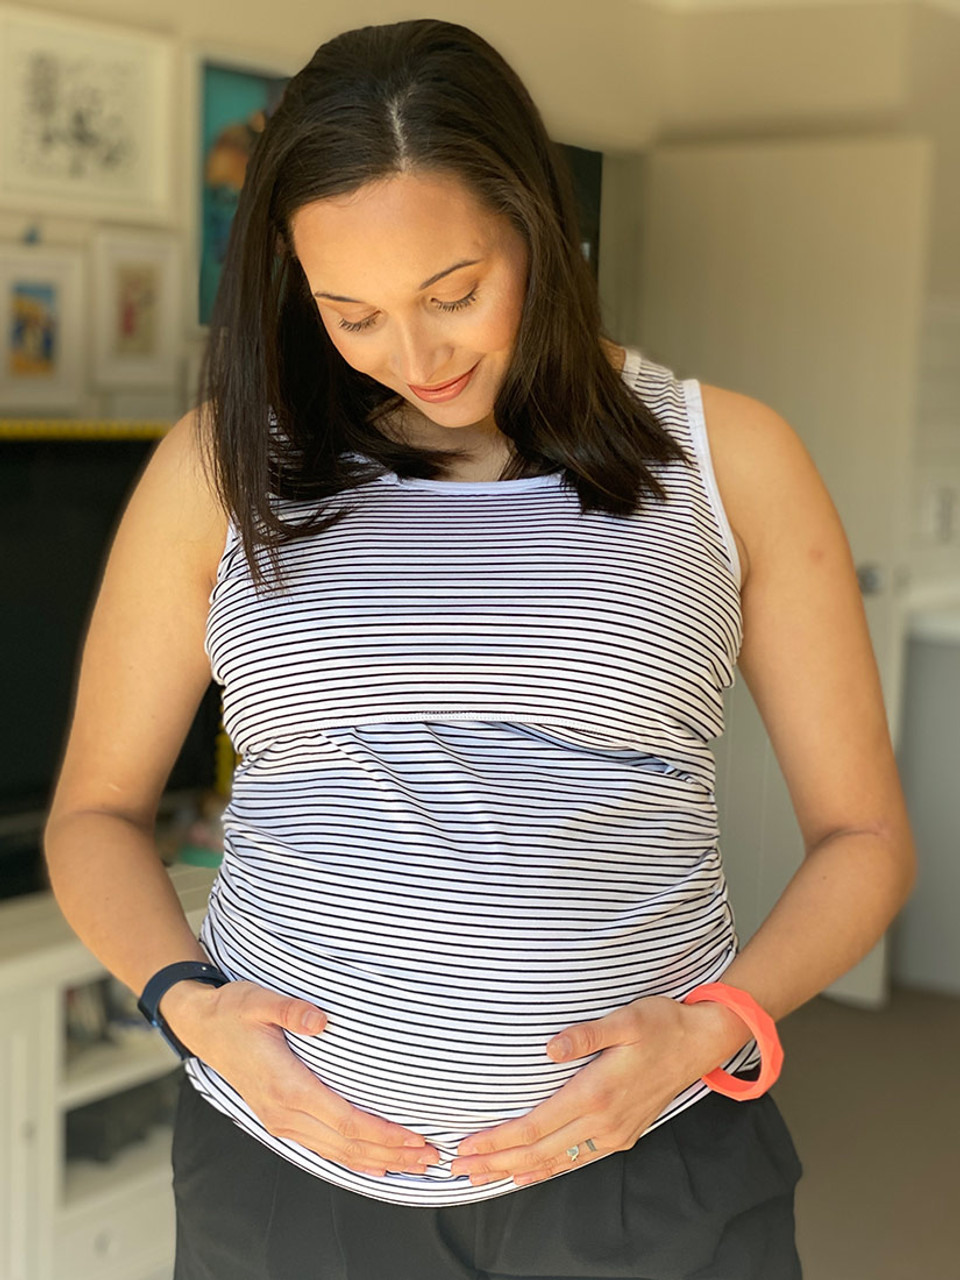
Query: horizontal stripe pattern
x: 476, y: 802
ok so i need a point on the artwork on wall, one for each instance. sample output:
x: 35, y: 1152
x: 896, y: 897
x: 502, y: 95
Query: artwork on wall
x: 137, y: 308
x: 86, y: 113
x: 41, y: 320
x: 233, y: 99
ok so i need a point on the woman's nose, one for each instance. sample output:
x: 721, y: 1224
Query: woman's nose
x: 421, y: 362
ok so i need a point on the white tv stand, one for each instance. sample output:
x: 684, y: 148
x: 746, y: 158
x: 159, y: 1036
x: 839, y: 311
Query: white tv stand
x: 76, y: 1219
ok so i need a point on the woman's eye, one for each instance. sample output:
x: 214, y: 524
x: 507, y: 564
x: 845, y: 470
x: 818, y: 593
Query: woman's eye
x: 462, y: 302
x: 356, y: 326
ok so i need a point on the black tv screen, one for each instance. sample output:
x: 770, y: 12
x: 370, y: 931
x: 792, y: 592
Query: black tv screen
x: 60, y: 502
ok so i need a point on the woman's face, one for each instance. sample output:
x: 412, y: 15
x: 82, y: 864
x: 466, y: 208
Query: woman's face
x: 379, y: 263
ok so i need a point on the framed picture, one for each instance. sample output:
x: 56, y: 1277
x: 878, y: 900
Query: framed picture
x: 137, y: 308
x: 230, y: 97
x: 42, y: 323
x: 86, y: 112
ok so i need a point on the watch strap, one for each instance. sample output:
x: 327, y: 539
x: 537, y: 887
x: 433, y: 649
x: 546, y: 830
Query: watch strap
x: 162, y: 981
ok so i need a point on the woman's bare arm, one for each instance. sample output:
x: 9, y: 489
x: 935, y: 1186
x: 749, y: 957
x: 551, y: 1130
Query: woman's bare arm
x: 142, y: 675
x: 808, y: 662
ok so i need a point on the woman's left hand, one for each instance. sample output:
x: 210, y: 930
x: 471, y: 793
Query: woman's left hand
x: 649, y: 1051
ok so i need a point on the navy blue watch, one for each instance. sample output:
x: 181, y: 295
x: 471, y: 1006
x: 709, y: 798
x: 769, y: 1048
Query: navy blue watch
x: 161, y: 982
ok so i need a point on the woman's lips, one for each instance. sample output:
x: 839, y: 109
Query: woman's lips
x: 445, y: 392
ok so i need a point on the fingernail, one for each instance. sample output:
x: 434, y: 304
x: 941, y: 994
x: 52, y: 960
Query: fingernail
x: 413, y: 1142
x: 312, y: 1022
x: 562, y: 1048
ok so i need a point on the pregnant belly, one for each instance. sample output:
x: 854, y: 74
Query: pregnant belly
x: 446, y: 1032
x: 442, y: 1053
x: 445, y: 1072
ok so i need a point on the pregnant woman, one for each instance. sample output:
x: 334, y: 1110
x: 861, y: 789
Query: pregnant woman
x: 468, y: 1001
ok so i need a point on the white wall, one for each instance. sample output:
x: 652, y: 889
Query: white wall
x: 621, y: 75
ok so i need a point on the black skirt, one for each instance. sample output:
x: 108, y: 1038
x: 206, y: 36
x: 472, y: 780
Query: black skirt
x: 707, y: 1195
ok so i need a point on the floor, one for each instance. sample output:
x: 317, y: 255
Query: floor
x: 872, y: 1098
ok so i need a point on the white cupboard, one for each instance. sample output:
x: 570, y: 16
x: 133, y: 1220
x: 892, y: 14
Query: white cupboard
x: 69, y: 1218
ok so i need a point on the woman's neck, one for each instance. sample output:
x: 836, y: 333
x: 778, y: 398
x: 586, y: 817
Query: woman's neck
x: 489, y: 450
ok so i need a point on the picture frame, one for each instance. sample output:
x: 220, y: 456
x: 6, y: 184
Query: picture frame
x: 137, y: 278
x: 41, y: 313
x: 229, y: 93
x: 86, y: 118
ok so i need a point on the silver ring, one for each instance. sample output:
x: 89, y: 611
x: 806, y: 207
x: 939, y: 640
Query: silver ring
x: 573, y: 1152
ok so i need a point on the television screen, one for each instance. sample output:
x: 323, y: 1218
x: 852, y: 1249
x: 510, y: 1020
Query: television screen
x: 60, y: 502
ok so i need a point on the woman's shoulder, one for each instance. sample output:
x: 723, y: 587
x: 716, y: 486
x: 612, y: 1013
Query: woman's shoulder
x: 616, y: 354
x: 763, y: 470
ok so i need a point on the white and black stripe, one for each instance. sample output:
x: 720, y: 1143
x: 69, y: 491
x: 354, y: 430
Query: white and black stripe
x: 476, y: 796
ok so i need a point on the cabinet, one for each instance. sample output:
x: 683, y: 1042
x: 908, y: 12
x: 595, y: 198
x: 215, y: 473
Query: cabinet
x: 63, y: 1217
x: 21, y: 1135
x: 926, y: 951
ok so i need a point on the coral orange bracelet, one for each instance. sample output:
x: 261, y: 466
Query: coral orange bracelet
x: 764, y: 1031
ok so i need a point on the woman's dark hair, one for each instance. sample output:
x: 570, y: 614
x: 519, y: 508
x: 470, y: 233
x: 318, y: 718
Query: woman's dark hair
x: 282, y: 411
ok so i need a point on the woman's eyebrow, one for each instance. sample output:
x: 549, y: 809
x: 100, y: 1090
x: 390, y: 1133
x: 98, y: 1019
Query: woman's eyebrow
x: 466, y: 262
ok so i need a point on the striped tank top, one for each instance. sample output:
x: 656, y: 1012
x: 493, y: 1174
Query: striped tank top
x: 475, y: 801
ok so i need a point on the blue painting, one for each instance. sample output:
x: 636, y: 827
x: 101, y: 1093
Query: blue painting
x: 236, y: 107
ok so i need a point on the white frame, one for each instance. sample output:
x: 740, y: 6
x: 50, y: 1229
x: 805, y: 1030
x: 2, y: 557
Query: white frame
x: 162, y: 249
x: 195, y: 55
x: 134, y: 72
x: 64, y: 268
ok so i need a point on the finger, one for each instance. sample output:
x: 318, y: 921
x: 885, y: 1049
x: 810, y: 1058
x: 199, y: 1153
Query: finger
x: 301, y: 1107
x: 346, y: 1146
x: 568, y: 1104
x: 355, y: 1124
x: 303, y: 1018
x: 304, y: 1108
x: 354, y: 1139
x: 551, y: 1168
x: 311, y: 1132
x: 356, y: 1154
x: 550, y: 1154
x: 583, y: 1038
x: 548, y: 1161
x: 319, y: 1101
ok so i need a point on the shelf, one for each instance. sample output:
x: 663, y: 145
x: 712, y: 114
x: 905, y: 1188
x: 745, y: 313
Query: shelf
x: 99, y: 1070
x: 119, y: 1222
x: 79, y: 1218
x: 142, y: 1166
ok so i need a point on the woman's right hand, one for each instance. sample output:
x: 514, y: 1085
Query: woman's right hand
x: 238, y: 1030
